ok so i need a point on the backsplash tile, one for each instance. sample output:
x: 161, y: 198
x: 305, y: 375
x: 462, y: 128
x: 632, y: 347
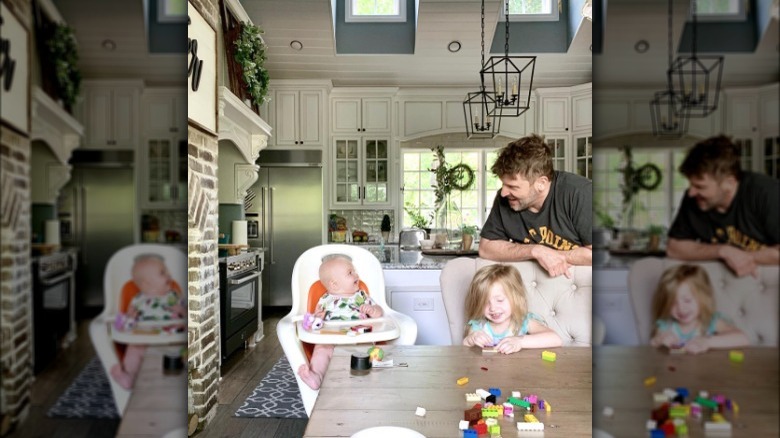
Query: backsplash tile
x: 369, y: 221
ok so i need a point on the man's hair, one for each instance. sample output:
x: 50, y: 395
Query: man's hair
x: 529, y: 157
x: 715, y: 156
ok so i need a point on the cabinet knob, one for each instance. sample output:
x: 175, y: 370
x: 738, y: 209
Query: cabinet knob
x: 567, y: 129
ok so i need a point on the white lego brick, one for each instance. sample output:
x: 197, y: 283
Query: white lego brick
x: 651, y: 424
x: 659, y: 397
x: 530, y: 427
x: 516, y: 394
x: 472, y: 397
x: 491, y: 422
x: 712, y: 426
x: 482, y: 393
x: 463, y: 425
x: 670, y: 393
x: 420, y: 412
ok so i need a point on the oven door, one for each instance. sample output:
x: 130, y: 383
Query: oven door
x: 51, y: 316
x: 241, y: 305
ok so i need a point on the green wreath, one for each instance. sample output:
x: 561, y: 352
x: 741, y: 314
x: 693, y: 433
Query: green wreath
x: 63, y: 51
x: 461, y: 177
x: 250, y: 54
x: 648, y: 176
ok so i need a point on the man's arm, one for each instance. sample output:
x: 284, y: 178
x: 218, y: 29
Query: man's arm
x: 768, y: 255
x: 683, y: 249
x: 739, y: 261
x: 582, y: 256
x: 553, y: 261
x: 505, y: 251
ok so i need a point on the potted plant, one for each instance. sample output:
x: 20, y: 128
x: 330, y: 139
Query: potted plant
x: 418, y: 220
x: 654, y: 232
x: 385, y: 228
x: 469, y: 231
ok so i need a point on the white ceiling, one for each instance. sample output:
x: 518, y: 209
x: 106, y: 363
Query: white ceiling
x: 440, y: 21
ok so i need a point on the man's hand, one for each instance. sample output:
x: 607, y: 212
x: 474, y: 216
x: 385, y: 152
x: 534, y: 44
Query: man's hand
x: 371, y: 311
x: 478, y: 338
x: 554, y: 262
x: 697, y: 345
x: 739, y: 261
x: 511, y: 344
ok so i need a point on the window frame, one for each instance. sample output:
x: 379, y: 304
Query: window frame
x: 740, y: 15
x: 164, y: 15
x: 349, y: 17
x: 553, y: 15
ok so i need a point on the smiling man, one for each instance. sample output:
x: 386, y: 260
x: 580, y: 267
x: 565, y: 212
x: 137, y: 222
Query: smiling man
x: 726, y: 214
x: 539, y: 214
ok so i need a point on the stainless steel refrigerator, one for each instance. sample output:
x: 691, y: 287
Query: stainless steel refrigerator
x: 284, y: 213
x: 96, y: 210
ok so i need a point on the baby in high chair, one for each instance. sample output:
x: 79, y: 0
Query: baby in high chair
x: 685, y: 316
x: 156, y: 300
x: 343, y: 301
x: 498, y: 316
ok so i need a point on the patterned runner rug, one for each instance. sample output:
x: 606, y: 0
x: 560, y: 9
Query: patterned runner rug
x: 276, y: 396
x: 89, y: 396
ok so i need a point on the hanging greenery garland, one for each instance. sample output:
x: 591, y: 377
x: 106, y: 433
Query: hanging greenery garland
x: 64, y: 55
x: 250, y: 54
x: 458, y: 177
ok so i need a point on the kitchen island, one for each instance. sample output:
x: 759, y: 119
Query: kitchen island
x: 393, y: 257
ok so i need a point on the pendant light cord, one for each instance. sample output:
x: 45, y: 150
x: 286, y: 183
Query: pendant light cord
x: 506, y: 31
x: 670, y: 34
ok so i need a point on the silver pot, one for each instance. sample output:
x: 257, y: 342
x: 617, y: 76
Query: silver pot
x: 410, y: 238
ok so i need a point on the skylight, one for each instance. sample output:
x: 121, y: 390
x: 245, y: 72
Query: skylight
x: 375, y: 11
x: 720, y: 10
x: 171, y: 11
x: 531, y: 10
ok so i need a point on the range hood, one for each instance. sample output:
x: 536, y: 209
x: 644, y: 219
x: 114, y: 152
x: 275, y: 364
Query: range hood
x: 54, y: 126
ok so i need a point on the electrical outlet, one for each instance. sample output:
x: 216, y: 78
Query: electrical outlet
x: 423, y: 304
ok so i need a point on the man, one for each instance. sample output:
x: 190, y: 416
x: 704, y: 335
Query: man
x: 727, y: 214
x: 541, y: 214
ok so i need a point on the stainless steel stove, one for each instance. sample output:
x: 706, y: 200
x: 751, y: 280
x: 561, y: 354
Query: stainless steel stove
x: 54, y: 316
x: 239, y: 296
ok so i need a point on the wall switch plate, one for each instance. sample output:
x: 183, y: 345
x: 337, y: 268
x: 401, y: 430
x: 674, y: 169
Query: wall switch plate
x: 423, y: 304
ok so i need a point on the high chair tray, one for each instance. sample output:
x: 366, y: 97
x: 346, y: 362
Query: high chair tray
x: 150, y: 332
x: 336, y: 332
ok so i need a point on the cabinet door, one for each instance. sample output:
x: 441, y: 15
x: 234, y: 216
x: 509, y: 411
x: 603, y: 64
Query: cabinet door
x: 346, y: 180
x: 582, y: 113
x: 159, y: 114
x: 309, y: 124
x: 346, y: 115
x: 98, y: 120
x: 375, y: 171
x: 583, y: 157
x: 558, y: 147
x: 159, y: 156
x: 286, y: 132
x: 742, y: 117
x: 555, y: 112
x: 376, y: 115
x: 124, y: 121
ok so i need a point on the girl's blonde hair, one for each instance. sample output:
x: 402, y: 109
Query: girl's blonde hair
x: 697, y: 280
x: 479, y: 293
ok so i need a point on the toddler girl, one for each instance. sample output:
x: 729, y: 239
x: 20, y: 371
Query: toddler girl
x: 497, y: 310
x: 684, y: 310
x: 343, y: 301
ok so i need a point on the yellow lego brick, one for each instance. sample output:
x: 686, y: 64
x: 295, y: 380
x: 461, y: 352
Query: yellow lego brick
x: 463, y: 380
x: 736, y: 356
x: 718, y: 418
x: 530, y: 418
x: 549, y: 356
x: 735, y: 407
x: 547, y: 406
x: 650, y: 381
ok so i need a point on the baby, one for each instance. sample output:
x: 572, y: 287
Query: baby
x: 343, y: 301
x: 684, y: 310
x: 497, y: 310
x: 156, y: 300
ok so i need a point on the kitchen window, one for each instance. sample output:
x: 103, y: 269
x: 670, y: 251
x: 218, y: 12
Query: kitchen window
x: 375, y: 11
x: 531, y: 10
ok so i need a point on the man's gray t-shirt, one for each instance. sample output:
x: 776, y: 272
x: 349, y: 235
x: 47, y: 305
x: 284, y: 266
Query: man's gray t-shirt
x: 564, y: 222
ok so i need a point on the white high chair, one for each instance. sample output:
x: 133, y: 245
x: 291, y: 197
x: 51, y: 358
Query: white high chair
x: 305, y: 274
x: 119, y: 272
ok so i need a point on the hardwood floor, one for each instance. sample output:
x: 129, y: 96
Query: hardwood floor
x: 50, y: 384
x: 240, y: 375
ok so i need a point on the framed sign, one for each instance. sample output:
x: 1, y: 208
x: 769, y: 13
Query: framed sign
x: 14, y: 71
x: 201, y: 72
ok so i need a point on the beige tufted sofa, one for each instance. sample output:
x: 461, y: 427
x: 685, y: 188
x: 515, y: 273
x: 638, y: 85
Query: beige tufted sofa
x: 750, y: 302
x: 565, y: 304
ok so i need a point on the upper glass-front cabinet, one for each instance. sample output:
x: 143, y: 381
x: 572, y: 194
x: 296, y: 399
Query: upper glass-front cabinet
x: 361, y: 175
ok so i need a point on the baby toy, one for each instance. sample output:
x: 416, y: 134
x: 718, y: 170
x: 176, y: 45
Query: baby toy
x: 311, y: 322
x: 376, y: 353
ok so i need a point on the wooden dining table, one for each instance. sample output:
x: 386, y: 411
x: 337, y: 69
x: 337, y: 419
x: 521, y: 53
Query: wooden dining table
x: 351, y: 401
x: 158, y: 403
x: 620, y: 372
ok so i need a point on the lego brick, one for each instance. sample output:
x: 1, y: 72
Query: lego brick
x: 681, y: 429
x: 541, y: 404
x: 679, y: 411
x: 490, y: 399
x: 608, y: 412
x: 718, y: 418
x: 735, y: 407
x: 482, y: 393
x: 707, y: 402
x: 472, y: 415
x: 660, y: 397
x: 549, y: 356
x: 651, y: 424
x: 650, y: 381
x: 533, y: 398
x: 657, y: 433
x: 495, y: 391
x: 530, y: 418
x: 719, y: 398
x: 472, y: 397
x: 494, y: 430
x: 489, y: 413
x: 736, y: 356
x: 481, y: 429
x: 670, y: 393
x: 420, y: 412
x: 469, y: 433
x: 463, y: 380
x: 668, y: 428
x: 530, y: 427
x: 516, y: 394
x: 518, y: 402
x: 695, y: 410
x: 711, y: 426
x: 547, y: 407
x: 508, y: 409
x: 490, y: 350
x: 682, y: 391
x: 491, y: 422
x: 463, y: 425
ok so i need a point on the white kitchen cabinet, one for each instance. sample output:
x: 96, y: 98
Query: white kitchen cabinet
x: 361, y: 172
x: 555, y: 114
x: 164, y: 111
x: 109, y: 114
x: 612, y: 304
x: 298, y: 118
x: 163, y: 167
x: 566, y: 122
x: 417, y: 293
x: 750, y: 118
x: 361, y: 115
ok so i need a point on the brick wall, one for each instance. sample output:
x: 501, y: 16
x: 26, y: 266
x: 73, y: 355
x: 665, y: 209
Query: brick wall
x: 203, y: 275
x: 15, y: 280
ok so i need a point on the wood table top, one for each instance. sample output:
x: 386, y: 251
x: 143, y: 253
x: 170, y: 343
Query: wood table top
x: 348, y: 403
x: 158, y: 403
x: 619, y: 377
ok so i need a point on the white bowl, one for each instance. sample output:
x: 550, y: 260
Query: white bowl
x: 426, y: 243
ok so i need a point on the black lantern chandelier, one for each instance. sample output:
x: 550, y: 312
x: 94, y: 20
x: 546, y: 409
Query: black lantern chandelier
x: 479, y: 106
x: 670, y: 118
x: 696, y: 79
x: 512, y: 96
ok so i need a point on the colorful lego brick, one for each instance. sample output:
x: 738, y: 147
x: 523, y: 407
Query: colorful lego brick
x: 668, y: 428
x: 533, y: 408
x: 718, y: 418
x: 651, y: 424
x: 657, y: 433
x: 541, y: 404
x: 735, y: 408
x: 516, y: 394
x: 494, y: 430
x: 660, y: 397
x: 547, y: 407
x: 518, y: 402
x: 608, y: 412
x: 509, y: 410
x: 712, y: 426
x: 695, y: 410
x: 681, y: 429
x: 678, y: 399
x: 682, y: 391
x: 491, y: 422
x: 472, y: 397
x: 707, y: 402
x: 681, y: 411
x: 704, y: 394
x: 420, y: 412
x: 490, y: 350
x: 469, y: 433
x: 530, y: 418
x: 530, y: 427
x: 481, y: 429
x: 463, y: 425
x: 660, y: 414
x: 549, y: 356
x: 482, y: 393
x: 462, y: 381
x: 533, y: 398
x: 719, y: 398
x: 490, y: 399
x: 489, y: 412
x: 736, y: 356
x: 495, y: 391
x: 650, y: 381
x: 670, y: 393
x: 472, y: 415
x: 500, y: 409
